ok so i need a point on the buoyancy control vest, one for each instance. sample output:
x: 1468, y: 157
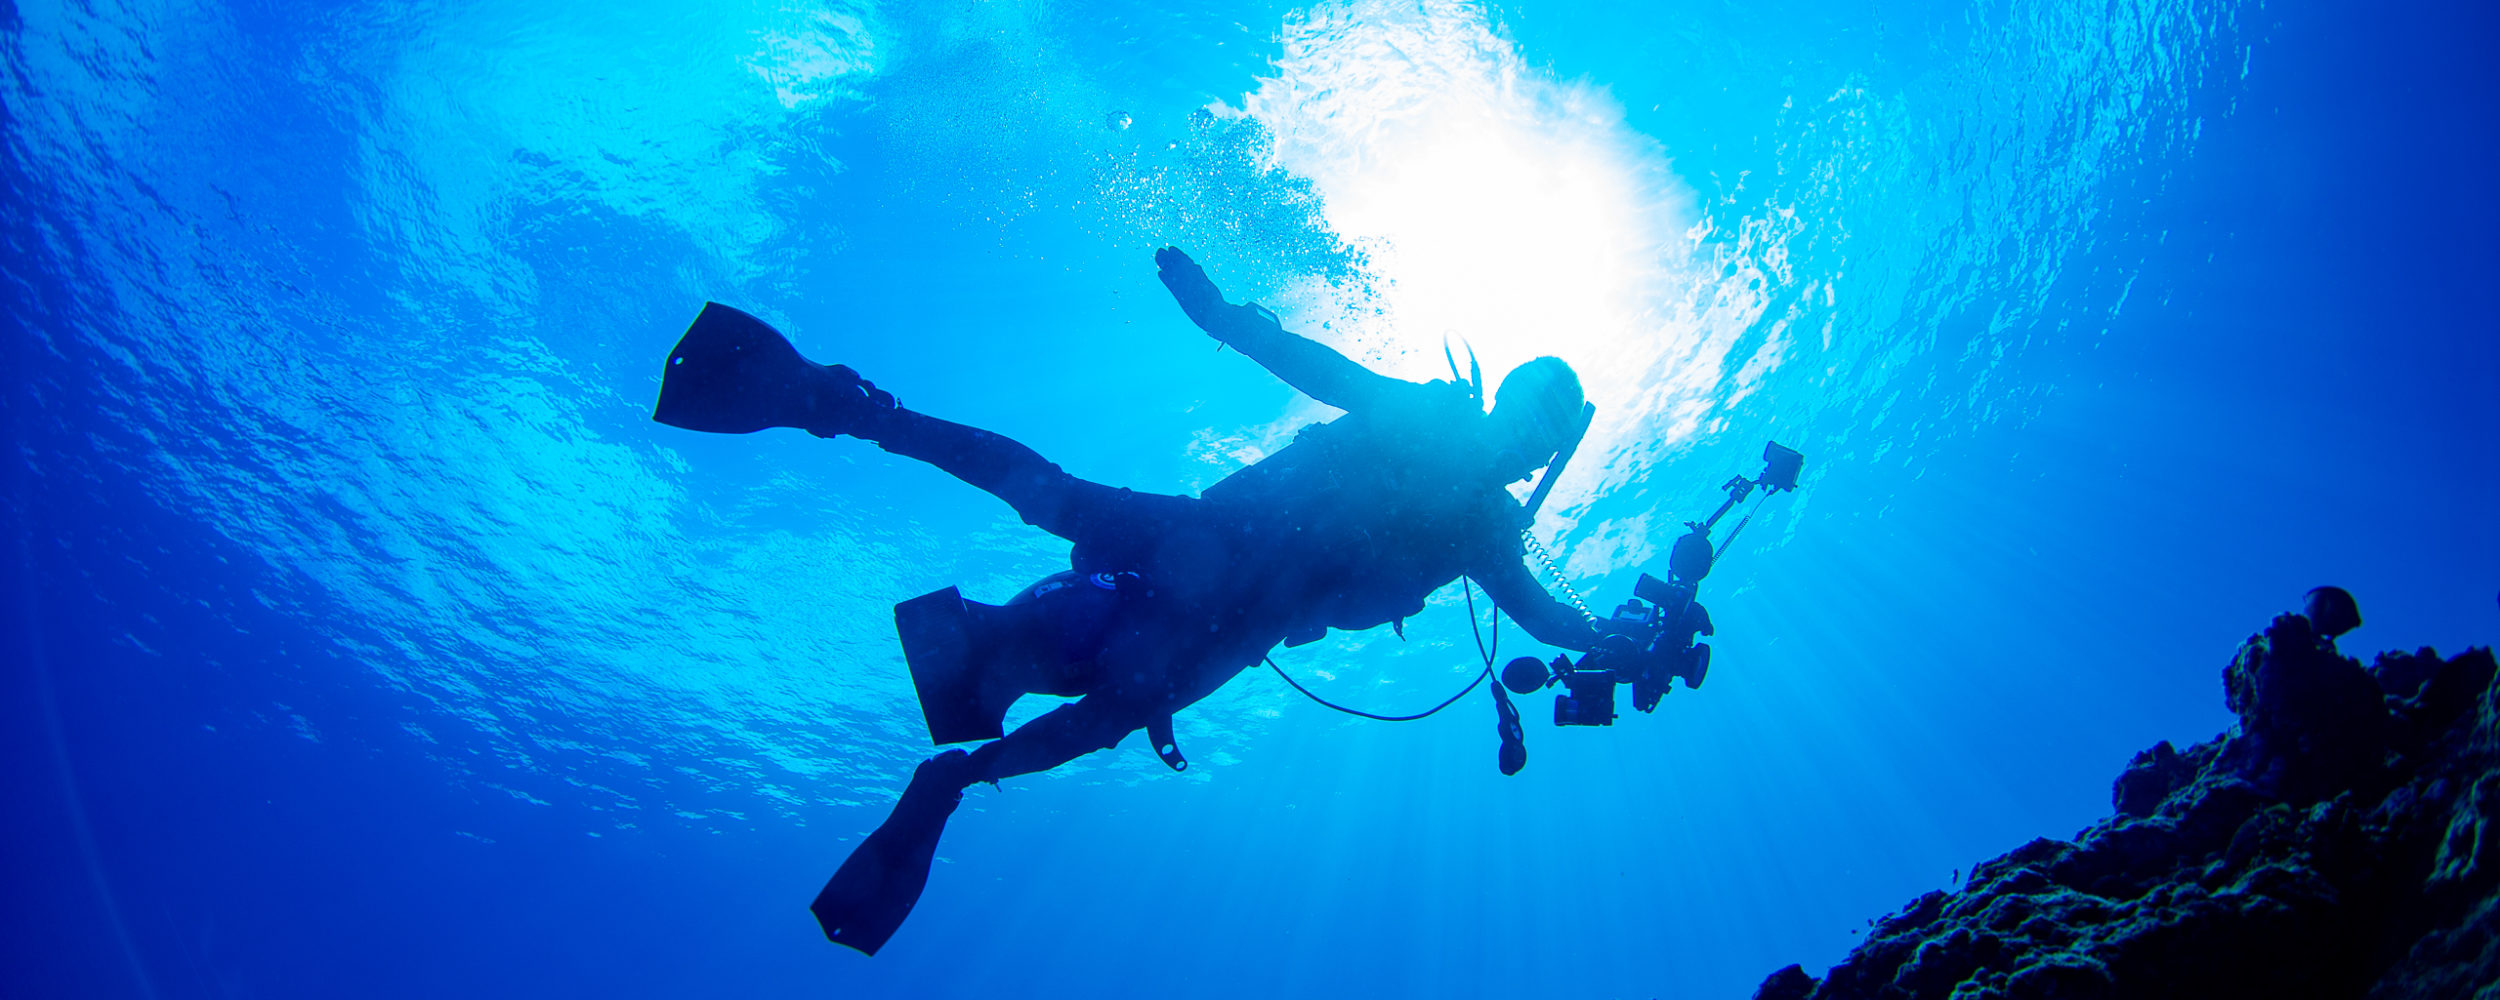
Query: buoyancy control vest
x: 1361, y: 518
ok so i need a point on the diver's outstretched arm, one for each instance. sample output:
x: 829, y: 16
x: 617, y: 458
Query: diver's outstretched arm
x: 1305, y: 364
x: 1519, y: 595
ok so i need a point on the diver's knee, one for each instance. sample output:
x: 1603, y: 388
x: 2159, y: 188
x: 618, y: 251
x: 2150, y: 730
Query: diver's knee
x: 1107, y: 729
x: 1100, y: 723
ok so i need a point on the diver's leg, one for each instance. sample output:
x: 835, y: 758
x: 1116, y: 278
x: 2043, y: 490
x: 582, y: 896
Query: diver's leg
x: 877, y: 886
x: 1063, y: 734
x: 1142, y: 674
x: 1042, y: 493
x: 1149, y: 673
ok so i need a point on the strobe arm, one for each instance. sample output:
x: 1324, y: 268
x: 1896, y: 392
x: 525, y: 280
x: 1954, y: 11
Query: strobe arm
x: 1654, y: 639
x: 1694, y: 553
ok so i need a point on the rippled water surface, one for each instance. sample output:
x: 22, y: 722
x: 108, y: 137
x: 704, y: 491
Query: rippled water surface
x: 368, y: 639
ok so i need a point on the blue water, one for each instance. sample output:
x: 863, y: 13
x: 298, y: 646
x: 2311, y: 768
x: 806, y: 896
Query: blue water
x: 365, y: 638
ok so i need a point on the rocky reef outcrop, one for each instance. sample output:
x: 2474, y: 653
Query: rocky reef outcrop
x: 2342, y: 841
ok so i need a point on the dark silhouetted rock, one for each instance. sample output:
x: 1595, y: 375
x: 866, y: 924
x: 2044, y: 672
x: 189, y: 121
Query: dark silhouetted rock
x: 2149, y: 779
x: 2402, y: 675
x: 2342, y: 842
x: 1790, y: 983
x: 2313, y: 720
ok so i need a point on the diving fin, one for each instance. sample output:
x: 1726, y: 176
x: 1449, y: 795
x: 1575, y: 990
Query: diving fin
x: 877, y: 886
x: 942, y: 645
x: 733, y: 374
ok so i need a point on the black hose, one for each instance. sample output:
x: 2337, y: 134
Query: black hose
x: 1445, y: 703
x: 1306, y: 692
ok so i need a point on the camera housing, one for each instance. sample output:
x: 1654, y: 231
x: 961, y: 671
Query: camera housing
x: 1649, y: 644
x: 1591, y: 701
x: 1653, y: 640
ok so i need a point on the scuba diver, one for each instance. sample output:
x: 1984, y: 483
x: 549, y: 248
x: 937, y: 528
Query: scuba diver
x: 1352, y: 526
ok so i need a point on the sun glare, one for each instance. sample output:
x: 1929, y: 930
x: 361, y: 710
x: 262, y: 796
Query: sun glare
x: 1495, y: 203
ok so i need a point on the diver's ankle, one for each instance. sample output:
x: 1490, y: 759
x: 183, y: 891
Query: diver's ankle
x: 845, y: 404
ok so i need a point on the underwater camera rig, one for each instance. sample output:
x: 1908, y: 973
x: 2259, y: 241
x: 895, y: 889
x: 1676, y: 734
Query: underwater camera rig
x: 1653, y: 639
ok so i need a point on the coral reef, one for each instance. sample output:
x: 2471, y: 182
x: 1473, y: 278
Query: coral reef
x: 2342, y: 841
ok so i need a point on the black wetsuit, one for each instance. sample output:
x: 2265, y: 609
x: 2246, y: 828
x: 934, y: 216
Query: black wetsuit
x: 1351, y: 527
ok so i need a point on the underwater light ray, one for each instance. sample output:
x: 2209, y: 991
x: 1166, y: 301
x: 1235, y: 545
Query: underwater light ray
x: 1492, y: 201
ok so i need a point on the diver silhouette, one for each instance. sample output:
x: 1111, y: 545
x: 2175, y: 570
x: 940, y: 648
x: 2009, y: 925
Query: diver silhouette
x: 1352, y: 526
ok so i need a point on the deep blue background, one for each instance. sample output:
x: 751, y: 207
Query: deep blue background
x: 2303, y: 388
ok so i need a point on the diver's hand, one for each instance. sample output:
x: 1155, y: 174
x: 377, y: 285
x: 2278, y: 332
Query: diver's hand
x: 1191, y: 288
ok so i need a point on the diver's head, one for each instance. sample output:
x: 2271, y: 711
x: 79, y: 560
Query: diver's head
x: 1535, y: 412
